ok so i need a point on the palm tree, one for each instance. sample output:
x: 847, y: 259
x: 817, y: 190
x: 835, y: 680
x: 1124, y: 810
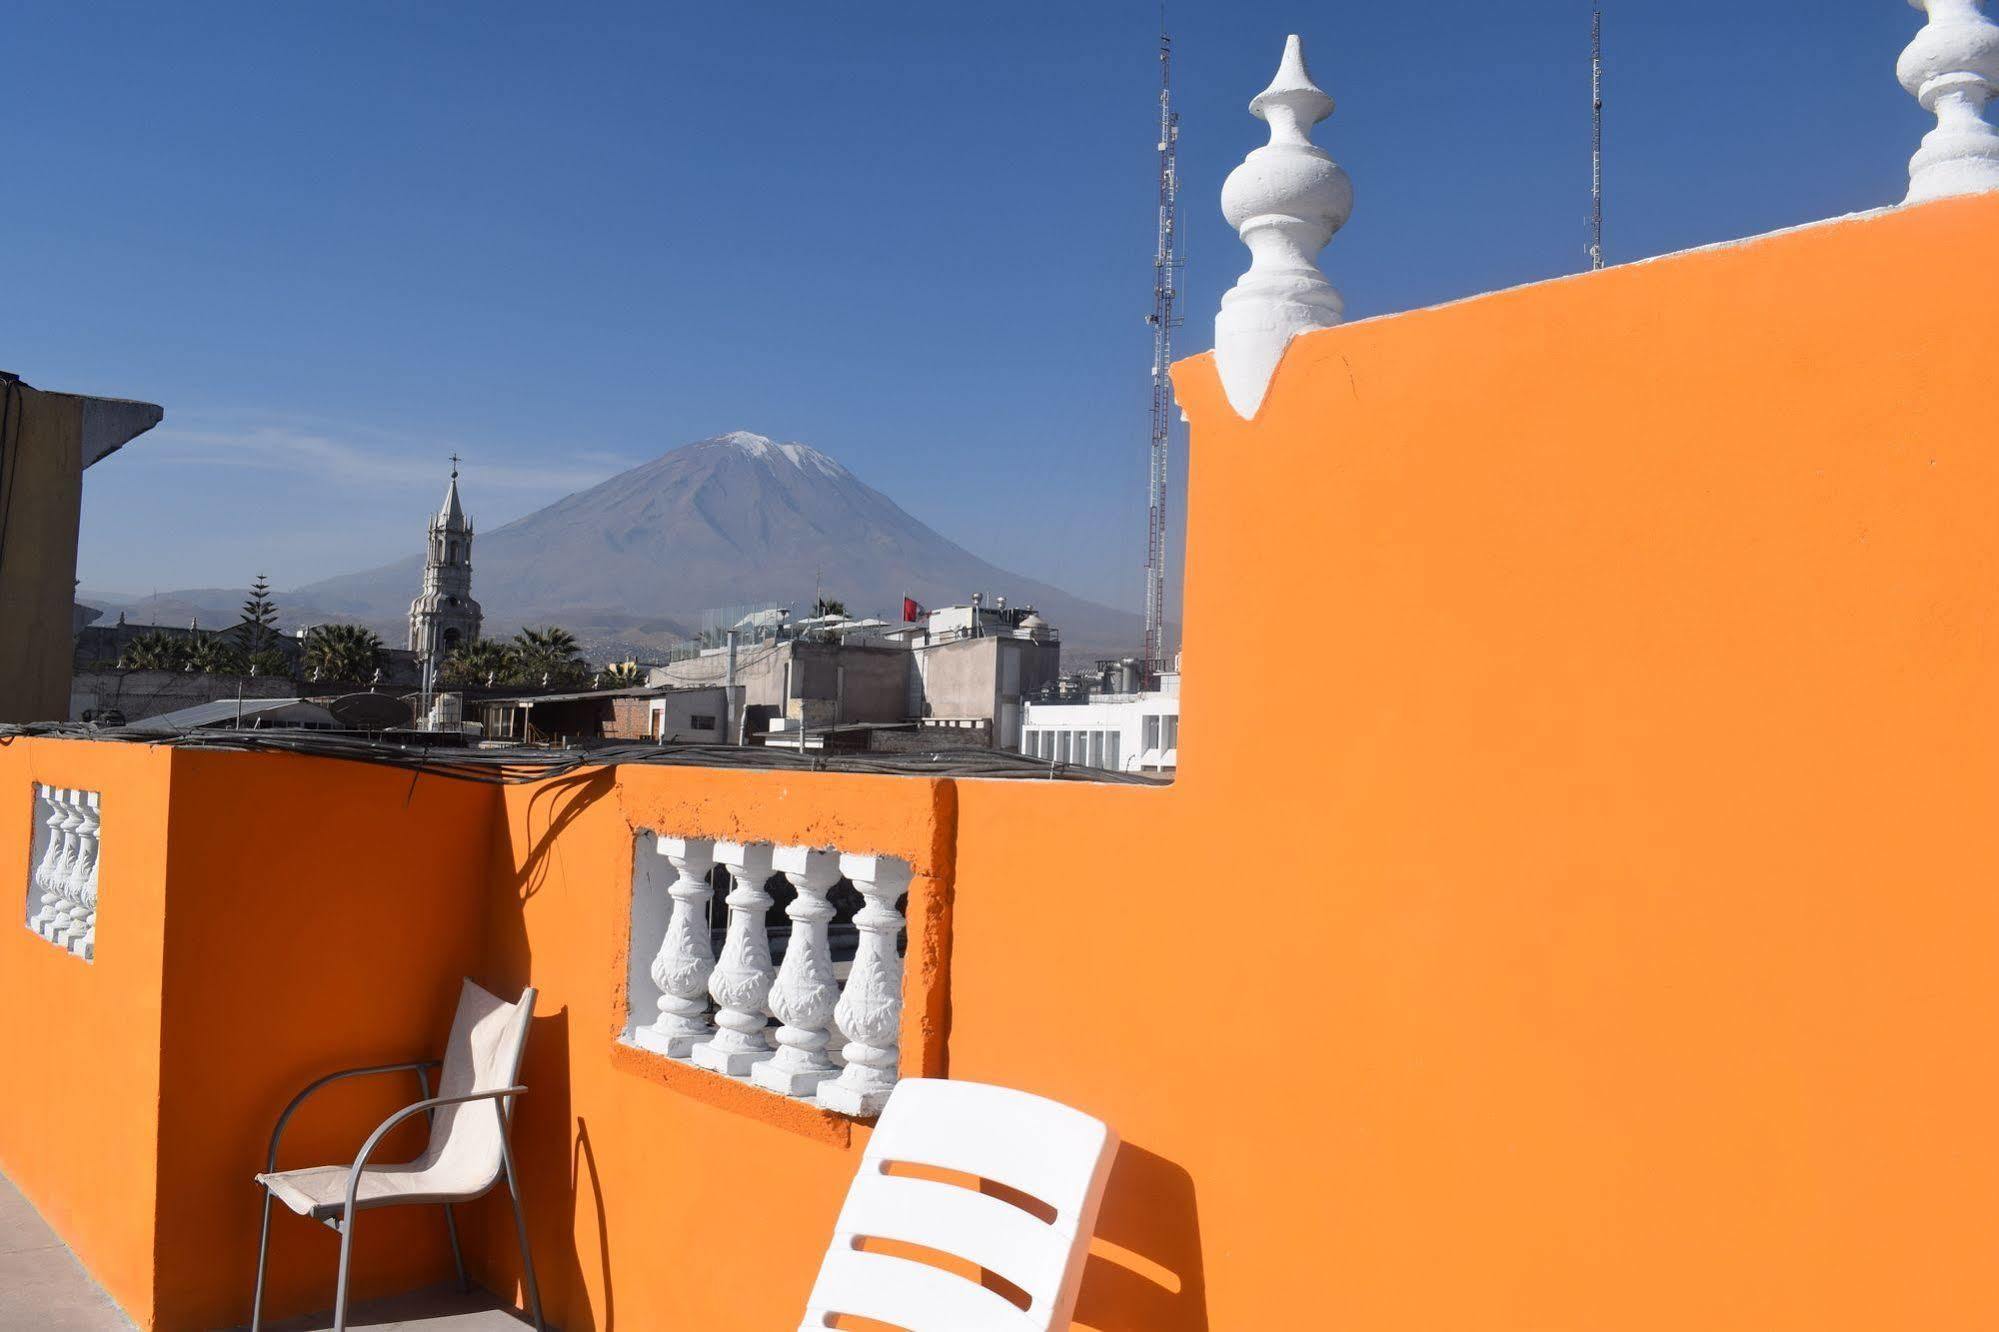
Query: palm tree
x: 478, y: 662
x: 342, y: 652
x: 548, y: 656
x: 210, y: 654
x: 153, y: 651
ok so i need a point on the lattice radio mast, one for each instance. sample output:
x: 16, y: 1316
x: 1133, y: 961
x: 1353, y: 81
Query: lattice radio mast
x: 1167, y: 262
x: 1596, y: 137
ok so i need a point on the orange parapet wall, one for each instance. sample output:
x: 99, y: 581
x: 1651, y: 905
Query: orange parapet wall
x: 1577, y: 907
x: 1575, y: 911
x: 80, y: 1048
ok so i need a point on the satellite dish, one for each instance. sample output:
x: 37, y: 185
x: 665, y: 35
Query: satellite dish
x: 369, y: 712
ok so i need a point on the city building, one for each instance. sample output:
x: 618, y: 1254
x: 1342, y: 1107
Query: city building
x: 1137, y: 731
x: 47, y: 440
x: 978, y: 664
x: 660, y: 713
x: 444, y: 615
x: 962, y: 667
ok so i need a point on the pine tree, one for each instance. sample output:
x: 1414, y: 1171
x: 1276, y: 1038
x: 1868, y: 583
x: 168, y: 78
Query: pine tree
x: 257, y: 634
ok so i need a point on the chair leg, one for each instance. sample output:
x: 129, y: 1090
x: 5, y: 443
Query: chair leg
x: 263, y: 1247
x: 450, y: 1222
x: 340, y: 1282
x: 457, y: 1256
x: 521, y: 1229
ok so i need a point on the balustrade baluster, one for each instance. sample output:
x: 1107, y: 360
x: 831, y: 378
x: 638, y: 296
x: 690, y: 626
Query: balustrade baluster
x: 806, y: 993
x: 81, y: 934
x: 59, y: 878
x: 743, y: 975
x: 49, y: 809
x: 870, y: 1008
x: 686, y: 958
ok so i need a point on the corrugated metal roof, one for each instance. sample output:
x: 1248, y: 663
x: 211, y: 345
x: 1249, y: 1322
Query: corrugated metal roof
x: 224, y: 712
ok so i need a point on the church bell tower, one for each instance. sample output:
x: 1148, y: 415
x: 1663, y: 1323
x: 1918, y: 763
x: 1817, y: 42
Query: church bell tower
x: 444, y: 616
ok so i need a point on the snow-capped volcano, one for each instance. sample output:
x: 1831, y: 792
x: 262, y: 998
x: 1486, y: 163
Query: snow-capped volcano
x: 735, y: 519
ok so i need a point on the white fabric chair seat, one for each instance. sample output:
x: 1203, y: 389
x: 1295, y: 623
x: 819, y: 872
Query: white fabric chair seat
x: 466, y: 1155
x: 321, y: 1191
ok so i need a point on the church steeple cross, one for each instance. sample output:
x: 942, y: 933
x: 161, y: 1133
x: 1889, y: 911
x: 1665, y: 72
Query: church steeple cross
x: 454, y: 467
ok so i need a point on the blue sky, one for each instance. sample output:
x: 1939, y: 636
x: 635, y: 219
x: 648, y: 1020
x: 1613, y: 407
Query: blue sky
x: 338, y: 241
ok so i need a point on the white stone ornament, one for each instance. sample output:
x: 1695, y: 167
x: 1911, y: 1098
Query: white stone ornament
x: 80, y: 936
x: 1952, y: 68
x: 49, y: 898
x: 743, y: 975
x: 870, y: 1008
x: 1286, y: 200
x: 806, y: 992
x: 64, y: 874
x: 685, y: 959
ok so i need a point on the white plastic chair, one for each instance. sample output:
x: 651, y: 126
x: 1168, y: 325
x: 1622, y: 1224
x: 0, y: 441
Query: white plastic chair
x: 468, y: 1152
x: 1038, y: 1147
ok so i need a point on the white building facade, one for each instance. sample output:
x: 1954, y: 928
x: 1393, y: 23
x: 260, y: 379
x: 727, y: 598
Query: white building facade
x: 1116, y: 732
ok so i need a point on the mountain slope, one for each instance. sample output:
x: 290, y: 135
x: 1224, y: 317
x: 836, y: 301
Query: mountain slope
x: 736, y: 519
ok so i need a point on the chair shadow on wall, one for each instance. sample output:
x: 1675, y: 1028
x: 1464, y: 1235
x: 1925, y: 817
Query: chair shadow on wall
x: 555, y: 805
x: 1144, y: 1270
x: 556, y: 1182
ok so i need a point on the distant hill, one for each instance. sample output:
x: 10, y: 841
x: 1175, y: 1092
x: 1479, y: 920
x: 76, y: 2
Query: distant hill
x: 630, y: 564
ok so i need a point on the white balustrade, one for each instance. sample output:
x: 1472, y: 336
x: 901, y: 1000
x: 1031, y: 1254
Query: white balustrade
x: 837, y: 1045
x: 870, y: 1008
x: 806, y: 991
x: 62, y: 888
x: 1286, y: 200
x: 52, y: 812
x: 743, y: 974
x: 1952, y: 68
x: 686, y: 957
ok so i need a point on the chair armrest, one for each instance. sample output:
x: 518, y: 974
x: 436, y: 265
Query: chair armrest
x: 433, y: 1103
x: 414, y: 1065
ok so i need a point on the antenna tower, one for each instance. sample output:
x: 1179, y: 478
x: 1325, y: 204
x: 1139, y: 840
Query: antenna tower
x: 1167, y: 262
x: 1596, y: 137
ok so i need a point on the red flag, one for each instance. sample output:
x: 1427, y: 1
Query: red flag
x: 911, y: 612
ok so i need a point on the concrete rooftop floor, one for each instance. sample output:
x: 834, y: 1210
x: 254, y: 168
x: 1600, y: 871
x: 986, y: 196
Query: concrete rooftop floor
x: 44, y: 1287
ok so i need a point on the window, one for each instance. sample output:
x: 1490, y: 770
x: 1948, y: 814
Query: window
x: 1110, y: 751
x: 701, y: 721
x: 1061, y: 746
x: 1172, y: 721
x: 1151, y: 733
x: 1096, y: 749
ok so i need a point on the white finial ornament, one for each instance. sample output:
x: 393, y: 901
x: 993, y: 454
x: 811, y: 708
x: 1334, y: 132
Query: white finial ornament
x: 1286, y: 200
x: 1952, y: 68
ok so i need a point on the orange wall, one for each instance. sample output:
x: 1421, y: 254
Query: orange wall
x: 659, y: 1196
x: 1595, y: 931
x: 1599, y: 929
x: 79, y: 1103
x: 320, y: 916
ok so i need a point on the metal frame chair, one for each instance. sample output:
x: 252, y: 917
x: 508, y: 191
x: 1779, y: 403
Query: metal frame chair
x: 488, y: 1036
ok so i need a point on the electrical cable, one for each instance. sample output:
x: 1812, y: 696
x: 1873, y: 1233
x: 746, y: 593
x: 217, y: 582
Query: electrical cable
x: 507, y: 767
